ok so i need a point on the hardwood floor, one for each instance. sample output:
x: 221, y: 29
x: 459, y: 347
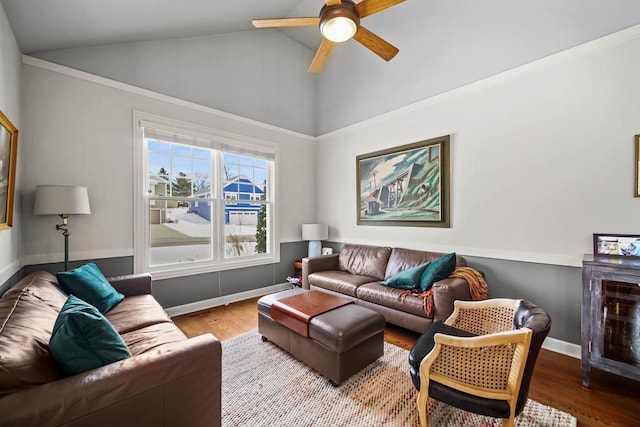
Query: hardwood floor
x: 613, y: 400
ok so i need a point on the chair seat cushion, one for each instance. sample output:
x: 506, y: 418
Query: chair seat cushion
x: 425, y: 344
x: 478, y: 405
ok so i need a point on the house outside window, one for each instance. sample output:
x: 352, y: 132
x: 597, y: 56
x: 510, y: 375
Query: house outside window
x: 208, y: 201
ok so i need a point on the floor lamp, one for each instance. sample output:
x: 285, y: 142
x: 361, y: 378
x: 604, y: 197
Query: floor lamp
x: 62, y: 200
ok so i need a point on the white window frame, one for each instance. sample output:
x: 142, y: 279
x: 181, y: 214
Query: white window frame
x: 217, y: 140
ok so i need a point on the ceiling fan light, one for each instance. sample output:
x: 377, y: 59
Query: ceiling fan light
x: 339, y: 29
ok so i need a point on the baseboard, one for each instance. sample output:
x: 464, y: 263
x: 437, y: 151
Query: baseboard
x: 224, y: 300
x: 562, y: 347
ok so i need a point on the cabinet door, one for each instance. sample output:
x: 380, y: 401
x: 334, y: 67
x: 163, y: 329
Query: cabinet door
x: 615, y: 310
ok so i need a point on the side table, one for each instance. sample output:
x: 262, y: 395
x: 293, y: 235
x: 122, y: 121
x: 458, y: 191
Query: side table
x: 297, y: 268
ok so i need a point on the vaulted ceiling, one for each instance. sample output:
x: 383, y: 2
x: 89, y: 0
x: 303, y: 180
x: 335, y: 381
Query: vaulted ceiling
x: 41, y: 25
x: 443, y: 44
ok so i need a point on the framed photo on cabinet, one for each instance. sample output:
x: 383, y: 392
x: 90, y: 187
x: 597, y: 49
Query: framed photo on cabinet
x: 619, y: 245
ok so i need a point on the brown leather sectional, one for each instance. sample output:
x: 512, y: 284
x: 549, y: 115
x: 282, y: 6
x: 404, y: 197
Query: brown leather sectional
x: 169, y: 380
x: 357, y: 270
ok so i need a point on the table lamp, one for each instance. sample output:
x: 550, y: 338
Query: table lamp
x: 314, y: 233
x: 62, y: 200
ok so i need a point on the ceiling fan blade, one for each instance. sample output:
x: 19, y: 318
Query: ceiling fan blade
x: 369, y: 7
x: 334, y: 2
x: 286, y: 22
x: 380, y: 47
x: 321, y: 56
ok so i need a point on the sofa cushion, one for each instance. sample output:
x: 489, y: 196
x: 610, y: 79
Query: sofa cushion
x: 27, y: 314
x: 83, y: 339
x: 407, y: 279
x: 437, y: 270
x: 339, y: 281
x: 89, y: 284
x: 402, y: 259
x: 151, y: 337
x: 364, y: 260
x: 377, y: 293
x: 136, y: 312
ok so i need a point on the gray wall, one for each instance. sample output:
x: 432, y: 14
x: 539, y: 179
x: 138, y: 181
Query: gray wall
x: 189, y: 289
x: 556, y: 289
x: 507, y: 279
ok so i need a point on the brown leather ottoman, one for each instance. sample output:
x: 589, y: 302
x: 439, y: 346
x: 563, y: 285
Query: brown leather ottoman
x: 340, y: 342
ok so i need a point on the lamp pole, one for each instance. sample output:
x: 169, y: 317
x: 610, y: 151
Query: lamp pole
x: 65, y: 233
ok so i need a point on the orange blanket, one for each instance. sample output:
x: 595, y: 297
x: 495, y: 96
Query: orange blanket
x: 477, y: 285
x: 478, y: 288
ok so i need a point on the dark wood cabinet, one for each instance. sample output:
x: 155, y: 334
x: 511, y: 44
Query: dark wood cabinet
x: 610, y: 316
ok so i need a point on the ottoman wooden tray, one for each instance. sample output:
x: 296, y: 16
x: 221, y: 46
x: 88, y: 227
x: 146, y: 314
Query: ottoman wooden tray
x: 336, y: 338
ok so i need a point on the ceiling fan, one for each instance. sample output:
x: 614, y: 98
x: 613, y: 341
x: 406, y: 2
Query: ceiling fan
x: 339, y: 21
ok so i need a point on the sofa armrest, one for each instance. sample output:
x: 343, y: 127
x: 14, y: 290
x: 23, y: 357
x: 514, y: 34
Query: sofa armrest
x: 174, y: 385
x: 318, y: 263
x: 132, y: 284
x: 445, y: 292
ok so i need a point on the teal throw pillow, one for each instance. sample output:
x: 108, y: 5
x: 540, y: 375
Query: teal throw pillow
x: 438, y: 269
x: 407, y: 279
x: 83, y: 339
x: 89, y: 284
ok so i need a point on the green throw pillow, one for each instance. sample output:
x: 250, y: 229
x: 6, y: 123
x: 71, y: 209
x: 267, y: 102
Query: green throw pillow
x: 83, y: 339
x: 438, y: 269
x: 89, y: 284
x: 407, y: 279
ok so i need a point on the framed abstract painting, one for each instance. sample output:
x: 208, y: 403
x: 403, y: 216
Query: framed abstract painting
x: 405, y: 186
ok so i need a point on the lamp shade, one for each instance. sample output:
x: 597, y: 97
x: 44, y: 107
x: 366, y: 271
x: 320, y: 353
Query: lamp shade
x: 61, y: 200
x: 315, y: 231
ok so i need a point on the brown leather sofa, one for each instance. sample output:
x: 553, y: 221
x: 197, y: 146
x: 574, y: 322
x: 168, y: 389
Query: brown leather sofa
x: 168, y: 381
x: 357, y: 270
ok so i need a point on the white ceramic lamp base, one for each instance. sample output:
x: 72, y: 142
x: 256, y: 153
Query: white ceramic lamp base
x: 315, y: 248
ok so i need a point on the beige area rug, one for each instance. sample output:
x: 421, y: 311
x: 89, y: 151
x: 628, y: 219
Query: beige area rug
x: 264, y: 386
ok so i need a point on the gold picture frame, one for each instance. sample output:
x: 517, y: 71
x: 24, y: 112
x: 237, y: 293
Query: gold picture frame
x: 405, y: 186
x: 8, y: 154
x: 637, y: 183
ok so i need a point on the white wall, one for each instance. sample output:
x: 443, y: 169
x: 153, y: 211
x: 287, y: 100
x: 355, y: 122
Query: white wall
x: 261, y: 75
x: 542, y: 157
x: 10, y: 106
x: 81, y: 133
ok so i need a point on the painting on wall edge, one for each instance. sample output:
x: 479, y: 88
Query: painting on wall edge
x: 8, y: 154
x: 406, y: 185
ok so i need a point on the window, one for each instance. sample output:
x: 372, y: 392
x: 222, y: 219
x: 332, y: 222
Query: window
x: 208, y: 199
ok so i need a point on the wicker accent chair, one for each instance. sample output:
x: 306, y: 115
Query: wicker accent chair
x: 481, y: 358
